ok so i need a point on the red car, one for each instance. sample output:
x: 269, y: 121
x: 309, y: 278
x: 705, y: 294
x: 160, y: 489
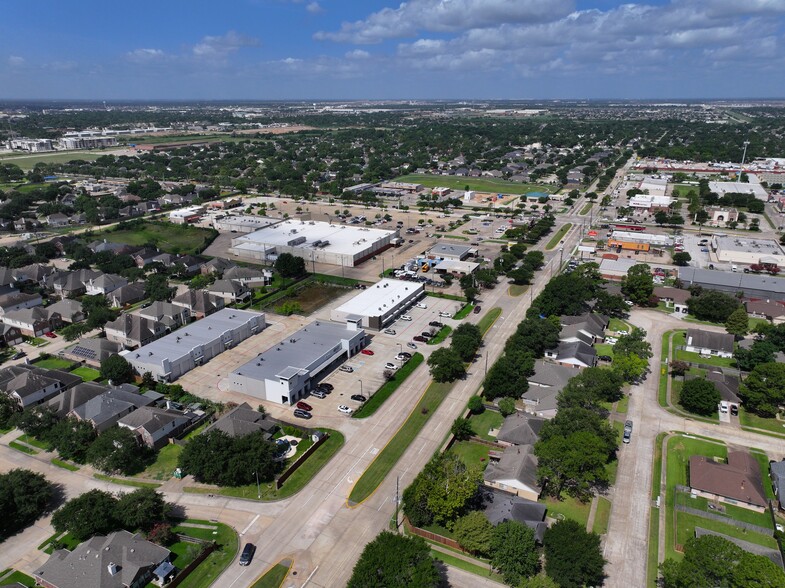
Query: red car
x: 304, y: 406
x: 50, y: 335
x: 366, y: 352
x: 420, y: 339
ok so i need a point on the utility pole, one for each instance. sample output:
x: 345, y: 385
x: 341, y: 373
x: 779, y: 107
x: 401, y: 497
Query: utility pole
x: 397, y: 500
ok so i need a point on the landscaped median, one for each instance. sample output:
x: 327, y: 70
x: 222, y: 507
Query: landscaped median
x: 422, y: 412
x: 274, y: 577
x: 558, y: 236
x: 443, y: 333
x: 388, y: 388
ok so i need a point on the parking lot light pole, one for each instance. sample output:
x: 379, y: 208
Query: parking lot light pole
x: 361, y: 386
x: 258, y: 489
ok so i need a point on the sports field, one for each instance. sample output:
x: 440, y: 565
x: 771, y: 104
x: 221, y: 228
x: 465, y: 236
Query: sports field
x: 28, y: 161
x: 491, y: 185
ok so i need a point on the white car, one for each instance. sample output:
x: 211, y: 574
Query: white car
x: 405, y: 317
x: 421, y: 305
x: 411, y: 346
x: 724, y: 407
x: 346, y: 368
x: 629, y: 303
x: 401, y: 357
x: 390, y: 366
x: 611, y: 340
x: 445, y: 314
x: 389, y: 331
x: 344, y: 409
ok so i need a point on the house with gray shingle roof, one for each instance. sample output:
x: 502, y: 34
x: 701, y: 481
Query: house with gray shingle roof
x: 29, y: 385
x: 576, y: 354
x: 544, y: 386
x: 709, y: 343
x: 515, y: 472
x: 127, y: 294
x: 200, y: 303
x: 243, y: 420
x: 107, y: 408
x: 155, y: 426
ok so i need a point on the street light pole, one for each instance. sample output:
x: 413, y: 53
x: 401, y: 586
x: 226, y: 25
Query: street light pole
x: 361, y: 386
x: 258, y: 489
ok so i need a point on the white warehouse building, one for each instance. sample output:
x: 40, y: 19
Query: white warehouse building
x: 380, y: 304
x: 285, y: 372
x: 172, y: 356
x: 314, y: 241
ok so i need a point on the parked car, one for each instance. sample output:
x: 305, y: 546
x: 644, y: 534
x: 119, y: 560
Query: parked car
x: 304, y: 406
x: 426, y: 335
x: 611, y: 340
x: 247, y: 555
x: 421, y: 305
x: 346, y: 368
x: 302, y: 414
x: 605, y: 358
x: 51, y: 335
x: 627, y: 432
x: 405, y: 354
x: 359, y: 397
x: 420, y: 339
x: 477, y: 309
x: 405, y: 317
x: 445, y: 314
x: 326, y: 386
x: 390, y: 366
x: 734, y: 409
x: 18, y: 355
x: 366, y: 352
x: 704, y: 249
x: 389, y: 331
x: 411, y: 346
x: 402, y: 357
x: 436, y: 324
x: 318, y: 393
x: 344, y: 409
x: 724, y: 407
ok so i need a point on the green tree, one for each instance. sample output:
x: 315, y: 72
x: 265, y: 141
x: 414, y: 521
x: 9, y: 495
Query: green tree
x: 538, y: 581
x: 630, y: 367
x: 590, y: 387
x: 476, y: 405
x: 573, y: 463
x: 468, y: 287
x: 507, y: 406
x: 633, y: 343
x: 142, y: 509
x: 682, y: 258
x: 573, y: 557
x: 72, y: 438
x: 461, y: 429
x: 116, y: 451
x: 610, y: 304
x: 9, y: 409
x: 514, y: 552
x: 446, y: 365
x: 156, y: 287
x: 738, y: 323
x: 117, y: 369
x: 760, y: 352
x: 395, y: 561
x: 290, y: 266
x: 660, y: 217
x: 474, y: 533
x: 699, y: 396
x: 36, y: 421
x: 638, y: 284
x: 763, y: 391
x: 91, y: 513
x: 712, y: 305
x: 24, y: 497
x: 466, y: 339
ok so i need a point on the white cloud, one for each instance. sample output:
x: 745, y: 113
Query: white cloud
x: 314, y: 8
x: 61, y: 65
x: 16, y: 61
x: 357, y: 54
x: 219, y: 47
x: 144, y: 54
x: 445, y: 16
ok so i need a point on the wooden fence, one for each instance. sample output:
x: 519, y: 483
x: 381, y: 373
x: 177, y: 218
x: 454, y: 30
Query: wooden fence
x: 431, y: 536
x: 299, y: 461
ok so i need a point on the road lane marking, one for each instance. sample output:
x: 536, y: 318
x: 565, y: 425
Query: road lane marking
x: 244, y: 531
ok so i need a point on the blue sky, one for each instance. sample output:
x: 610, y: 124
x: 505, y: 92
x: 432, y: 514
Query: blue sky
x: 375, y: 49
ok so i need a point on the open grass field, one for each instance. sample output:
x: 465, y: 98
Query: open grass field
x: 477, y: 184
x: 748, y: 419
x: 165, y: 236
x: 388, y: 388
x: 27, y: 162
x: 484, y: 422
x: 471, y: 453
x: 312, y: 296
x: 558, y: 236
x: 274, y: 577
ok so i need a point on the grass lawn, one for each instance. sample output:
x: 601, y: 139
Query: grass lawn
x: 388, y: 388
x: 54, y: 363
x: 166, y: 236
x: 686, y: 523
x: 464, y: 312
x: 517, y: 289
x: 471, y: 453
x: 656, y: 471
x: 604, y: 349
x: 392, y: 452
x: 618, y: 325
x: 623, y: 404
x: 748, y: 419
x: 22, y: 448
x: 65, y: 465
x: 457, y: 562
x: 124, y: 482
x: 762, y: 519
x: 440, y: 336
x: 477, y: 184
x: 312, y: 297
x: 86, y: 373
x: 602, y: 516
x: 569, y: 508
x: 207, y: 572
x: 763, y: 463
x: 68, y: 541
x: 165, y: 464
x: 652, y: 569
x: 29, y: 162
x: 485, y: 421
x: 587, y: 208
x: 662, y: 393
x: 296, y: 481
x: 34, y: 442
x: 273, y: 578
x: 18, y: 576
x: 558, y: 236
x: 679, y: 339
x: 488, y: 319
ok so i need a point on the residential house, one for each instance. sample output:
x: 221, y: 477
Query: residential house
x: 69, y: 399
x: 674, y: 298
x: 773, y: 312
x: 500, y: 507
x: 188, y: 264
x: 70, y: 284
x: 104, y: 410
x: 116, y: 248
x: 737, y: 482
x: 589, y: 328
x: 520, y: 429
x: 70, y: 311
x: 515, y: 471
x: 777, y: 473
x: 170, y: 315
x: 709, y: 343
x: 127, y: 294
x: 33, y: 322
x: 576, y: 354
x: 105, y: 284
x: 35, y: 273
x: 92, y: 351
x: 243, y: 420
x: 18, y: 301
x: 58, y: 219
x: 544, y: 386
x: 7, y: 277
x: 132, y: 330
x: 145, y: 256
x: 29, y: 385
x: 217, y: 265
x: 117, y: 560
x: 200, y: 303
x: 230, y: 291
x: 154, y: 427
x: 248, y: 276
x: 727, y: 385
x: 10, y: 336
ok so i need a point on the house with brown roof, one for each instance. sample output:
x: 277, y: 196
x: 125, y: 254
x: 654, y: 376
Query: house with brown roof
x: 674, y: 298
x: 773, y: 312
x: 738, y: 481
x: 200, y: 303
x: 132, y: 330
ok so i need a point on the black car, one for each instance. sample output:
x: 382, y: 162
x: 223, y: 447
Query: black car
x: 436, y: 324
x: 326, y: 386
x: 425, y: 335
x: 734, y: 409
x: 605, y: 358
x: 247, y: 554
x: 406, y: 354
x: 359, y: 397
x: 302, y: 414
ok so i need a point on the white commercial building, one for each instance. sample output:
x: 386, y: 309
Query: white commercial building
x: 650, y: 238
x: 747, y: 251
x: 654, y: 185
x: 284, y: 373
x: 380, y: 304
x: 314, y: 241
x: 32, y: 145
x: 722, y: 188
x: 650, y: 202
x: 243, y: 223
x: 186, y: 215
x: 172, y: 356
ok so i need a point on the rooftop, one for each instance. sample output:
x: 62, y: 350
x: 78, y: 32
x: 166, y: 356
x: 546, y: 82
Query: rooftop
x: 379, y: 298
x: 759, y: 246
x: 736, y: 280
x: 442, y: 249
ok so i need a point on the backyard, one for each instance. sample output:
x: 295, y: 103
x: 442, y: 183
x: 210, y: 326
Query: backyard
x: 207, y: 572
x: 473, y: 454
x: 485, y: 421
x: 167, y: 237
x: 682, y: 355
